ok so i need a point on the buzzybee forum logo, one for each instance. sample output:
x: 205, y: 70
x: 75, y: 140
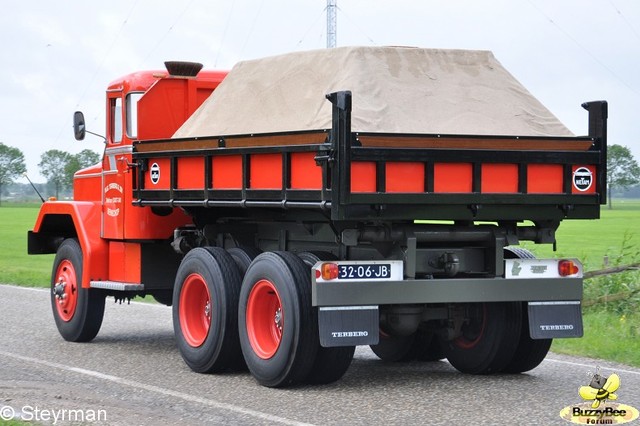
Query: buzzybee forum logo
x: 598, y: 408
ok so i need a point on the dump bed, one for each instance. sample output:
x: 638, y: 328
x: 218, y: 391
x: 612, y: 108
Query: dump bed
x: 419, y: 134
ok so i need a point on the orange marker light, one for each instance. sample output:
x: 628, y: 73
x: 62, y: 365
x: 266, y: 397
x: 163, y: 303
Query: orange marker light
x: 329, y: 271
x: 567, y: 268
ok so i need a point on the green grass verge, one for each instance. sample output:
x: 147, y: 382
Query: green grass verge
x: 607, y: 335
x: 13, y: 423
x: 16, y: 267
x: 615, y: 234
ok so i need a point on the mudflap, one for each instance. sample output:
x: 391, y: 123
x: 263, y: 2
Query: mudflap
x: 557, y: 319
x: 348, y: 326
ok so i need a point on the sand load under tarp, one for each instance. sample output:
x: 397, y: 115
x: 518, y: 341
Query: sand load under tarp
x: 395, y: 90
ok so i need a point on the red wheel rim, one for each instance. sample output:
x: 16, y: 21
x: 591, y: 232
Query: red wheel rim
x: 265, y: 319
x: 475, y: 331
x: 66, y: 290
x: 195, y: 310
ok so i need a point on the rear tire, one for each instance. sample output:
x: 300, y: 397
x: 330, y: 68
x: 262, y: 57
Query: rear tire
x: 530, y: 352
x: 77, y: 311
x: 489, y: 339
x: 205, y: 316
x: 427, y: 346
x: 420, y: 346
x: 331, y: 363
x: 278, y: 328
x: 395, y: 348
x: 243, y: 256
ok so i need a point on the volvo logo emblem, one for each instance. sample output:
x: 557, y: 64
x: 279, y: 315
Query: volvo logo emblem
x: 154, y: 173
x: 582, y: 179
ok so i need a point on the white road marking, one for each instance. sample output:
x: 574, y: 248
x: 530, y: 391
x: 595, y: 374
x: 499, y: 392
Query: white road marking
x: 592, y: 366
x: 159, y: 390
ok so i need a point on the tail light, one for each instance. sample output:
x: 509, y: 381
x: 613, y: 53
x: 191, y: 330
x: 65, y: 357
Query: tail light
x: 567, y: 268
x: 328, y: 271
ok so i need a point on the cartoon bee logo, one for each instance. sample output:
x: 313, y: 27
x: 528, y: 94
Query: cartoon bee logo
x: 600, y: 389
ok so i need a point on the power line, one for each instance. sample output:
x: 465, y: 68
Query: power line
x: 106, y: 55
x: 168, y: 31
x: 306, y: 33
x: 584, y: 49
x: 253, y: 25
x: 355, y: 24
x: 626, y: 21
x: 224, y: 34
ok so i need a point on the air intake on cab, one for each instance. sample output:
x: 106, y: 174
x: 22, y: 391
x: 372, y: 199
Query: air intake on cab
x: 183, y: 69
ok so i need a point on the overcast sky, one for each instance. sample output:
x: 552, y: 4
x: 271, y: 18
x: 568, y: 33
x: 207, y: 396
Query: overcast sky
x: 59, y: 56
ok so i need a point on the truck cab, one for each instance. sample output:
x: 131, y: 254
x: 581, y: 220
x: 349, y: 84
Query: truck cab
x: 144, y: 104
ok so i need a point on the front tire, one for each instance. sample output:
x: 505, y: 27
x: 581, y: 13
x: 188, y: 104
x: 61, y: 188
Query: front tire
x: 205, y: 316
x: 278, y: 331
x: 77, y: 311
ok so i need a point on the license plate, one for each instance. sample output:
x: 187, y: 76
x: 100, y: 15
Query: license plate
x: 365, y: 271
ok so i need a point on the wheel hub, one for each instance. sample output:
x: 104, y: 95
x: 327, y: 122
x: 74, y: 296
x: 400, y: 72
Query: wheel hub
x: 58, y: 291
x: 278, y: 319
x: 65, y: 290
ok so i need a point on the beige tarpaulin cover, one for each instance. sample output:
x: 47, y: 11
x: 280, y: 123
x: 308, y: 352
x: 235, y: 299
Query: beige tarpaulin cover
x: 395, y: 90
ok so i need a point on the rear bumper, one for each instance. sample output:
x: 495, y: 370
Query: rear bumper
x: 357, y: 293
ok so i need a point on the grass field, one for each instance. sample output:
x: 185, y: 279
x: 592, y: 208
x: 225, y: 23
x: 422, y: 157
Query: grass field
x: 616, y: 237
x: 16, y: 267
x: 617, y: 231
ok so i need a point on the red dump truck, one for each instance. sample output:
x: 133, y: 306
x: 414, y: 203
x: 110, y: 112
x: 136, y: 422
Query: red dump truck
x: 301, y: 205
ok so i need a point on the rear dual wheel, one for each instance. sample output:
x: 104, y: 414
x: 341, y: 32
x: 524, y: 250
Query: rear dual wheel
x: 205, y: 316
x: 419, y: 346
x: 278, y: 328
x: 488, y: 340
x: 530, y: 352
x: 495, y: 337
x: 331, y: 363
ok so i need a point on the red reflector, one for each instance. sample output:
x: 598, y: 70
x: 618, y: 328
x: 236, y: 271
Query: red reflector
x: 329, y: 271
x: 567, y: 268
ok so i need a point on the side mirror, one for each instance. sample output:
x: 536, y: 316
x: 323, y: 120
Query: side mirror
x: 79, y: 128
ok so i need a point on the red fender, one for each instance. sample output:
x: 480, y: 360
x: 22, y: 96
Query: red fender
x: 71, y: 219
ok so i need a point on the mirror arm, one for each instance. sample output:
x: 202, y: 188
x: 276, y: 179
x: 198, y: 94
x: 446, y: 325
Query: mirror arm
x: 96, y: 134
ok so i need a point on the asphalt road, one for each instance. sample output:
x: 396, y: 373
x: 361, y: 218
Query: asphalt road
x: 132, y: 373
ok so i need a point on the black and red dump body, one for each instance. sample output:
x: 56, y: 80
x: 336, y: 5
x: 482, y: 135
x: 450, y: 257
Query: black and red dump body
x: 374, y: 176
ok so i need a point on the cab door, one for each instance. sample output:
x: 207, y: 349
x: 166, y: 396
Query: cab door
x: 114, y: 168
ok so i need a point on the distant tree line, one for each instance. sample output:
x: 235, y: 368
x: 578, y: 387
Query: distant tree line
x: 623, y: 171
x: 57, y: 166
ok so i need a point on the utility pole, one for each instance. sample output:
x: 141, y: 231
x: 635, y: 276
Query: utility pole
x: 331, y: 23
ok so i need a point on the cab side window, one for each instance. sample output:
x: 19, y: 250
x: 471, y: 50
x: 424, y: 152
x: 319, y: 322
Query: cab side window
x: 116, y: 120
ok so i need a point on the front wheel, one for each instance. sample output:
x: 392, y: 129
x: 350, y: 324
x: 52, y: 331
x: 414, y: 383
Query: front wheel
x: 77, y: 311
